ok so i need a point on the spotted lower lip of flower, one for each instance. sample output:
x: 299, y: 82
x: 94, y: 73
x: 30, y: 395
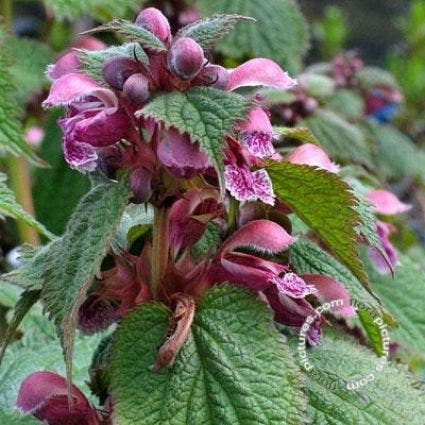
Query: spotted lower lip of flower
x: 246, y: 185
x: 257, y: 133
x: 80, y: 156
x: 293, y: 285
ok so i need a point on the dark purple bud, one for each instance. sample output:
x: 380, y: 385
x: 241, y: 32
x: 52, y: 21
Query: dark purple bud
x: 154, y: 21
x: 214, y: 76
x: 141, y: 185
x: 96, y: 314
x: 136, y: 89
x: 185, y: 58
x: 116, y: 70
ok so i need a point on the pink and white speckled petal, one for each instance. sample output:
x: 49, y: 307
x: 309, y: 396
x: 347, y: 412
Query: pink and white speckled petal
x: 293, y: 285
x: 80, y: 156
x: 263, y: 187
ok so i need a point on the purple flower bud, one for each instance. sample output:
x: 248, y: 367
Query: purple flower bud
x: 141, y: 185
x: 214, y: 76
x: 44, y: 395
x: 154, y: 21
x: 116, y: 70
x: 96, y: 314
x: 136, y: 89
x: 185, y: 58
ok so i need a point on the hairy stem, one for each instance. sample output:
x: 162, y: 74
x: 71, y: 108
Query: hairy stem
x: 160, y: 249
x: 18, y: 170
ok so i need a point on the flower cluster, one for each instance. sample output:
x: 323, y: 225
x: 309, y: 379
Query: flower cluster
x: 103, y: 132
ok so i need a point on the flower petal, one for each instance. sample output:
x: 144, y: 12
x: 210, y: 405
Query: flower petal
x: 66, y: 64
x: 68, y: 88
x: 385, y: 202
x: 257, y: 133
x: 44, y: 395
x: 331, y: 291
x: 260, y: 72
x: 261, y: 235
x: 314, y: 156
x: 293, y: 285
x: 80, y: 156
x: 245, y: 185
x: 181, y: 157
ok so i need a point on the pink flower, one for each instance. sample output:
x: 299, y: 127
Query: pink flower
x: 95, y: 121
x: 180, y: 156
x: 386, y: 203
x: 242, y: 183
x: 189, y: 216
x: 260, y: 72
x: 34, y: 136
x: 257, y: 133
x: 314, y: 156
x: 254, y: 272
x: 44, y: 395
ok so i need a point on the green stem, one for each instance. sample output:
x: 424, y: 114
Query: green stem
x: 18, y: 169
x: 160, y: 249
x: 232, y: 215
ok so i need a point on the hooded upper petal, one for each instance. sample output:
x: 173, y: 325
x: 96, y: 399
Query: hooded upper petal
x: 314, y: 156
x: 181, y: 157
x: 69, y: 87
x: 44, y: 395
x: 329, y: 290
x: 260, y: 235
x: 385, y: 202
x: 260, y: 72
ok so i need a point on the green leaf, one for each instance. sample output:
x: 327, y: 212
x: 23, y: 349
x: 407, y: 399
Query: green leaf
x: 343, y: 141
x: 299, y: 134
x: 137, y: 219
x: 92, y: 60
x: 404, y: 296
x: 325, y: 203
x: 280, y: 32
x: 317, y: 85
x: 11, y: 140
x: 208, y: 244
x: 26, y: 301
x: 348, y: 103
x: 234, y: 368
x: 388, y: 400
x: 35, y: 353
x: 132, y: 32
x: 208, y: 31
x: 30, y: 59
x: 100, y: 9
x: 372, y: 77
x: 17, y: 419
x: 10, y: 208
x: 207, y: 115
x: 396, y: 154
x: 77, y: 256
x: 53, y: 202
